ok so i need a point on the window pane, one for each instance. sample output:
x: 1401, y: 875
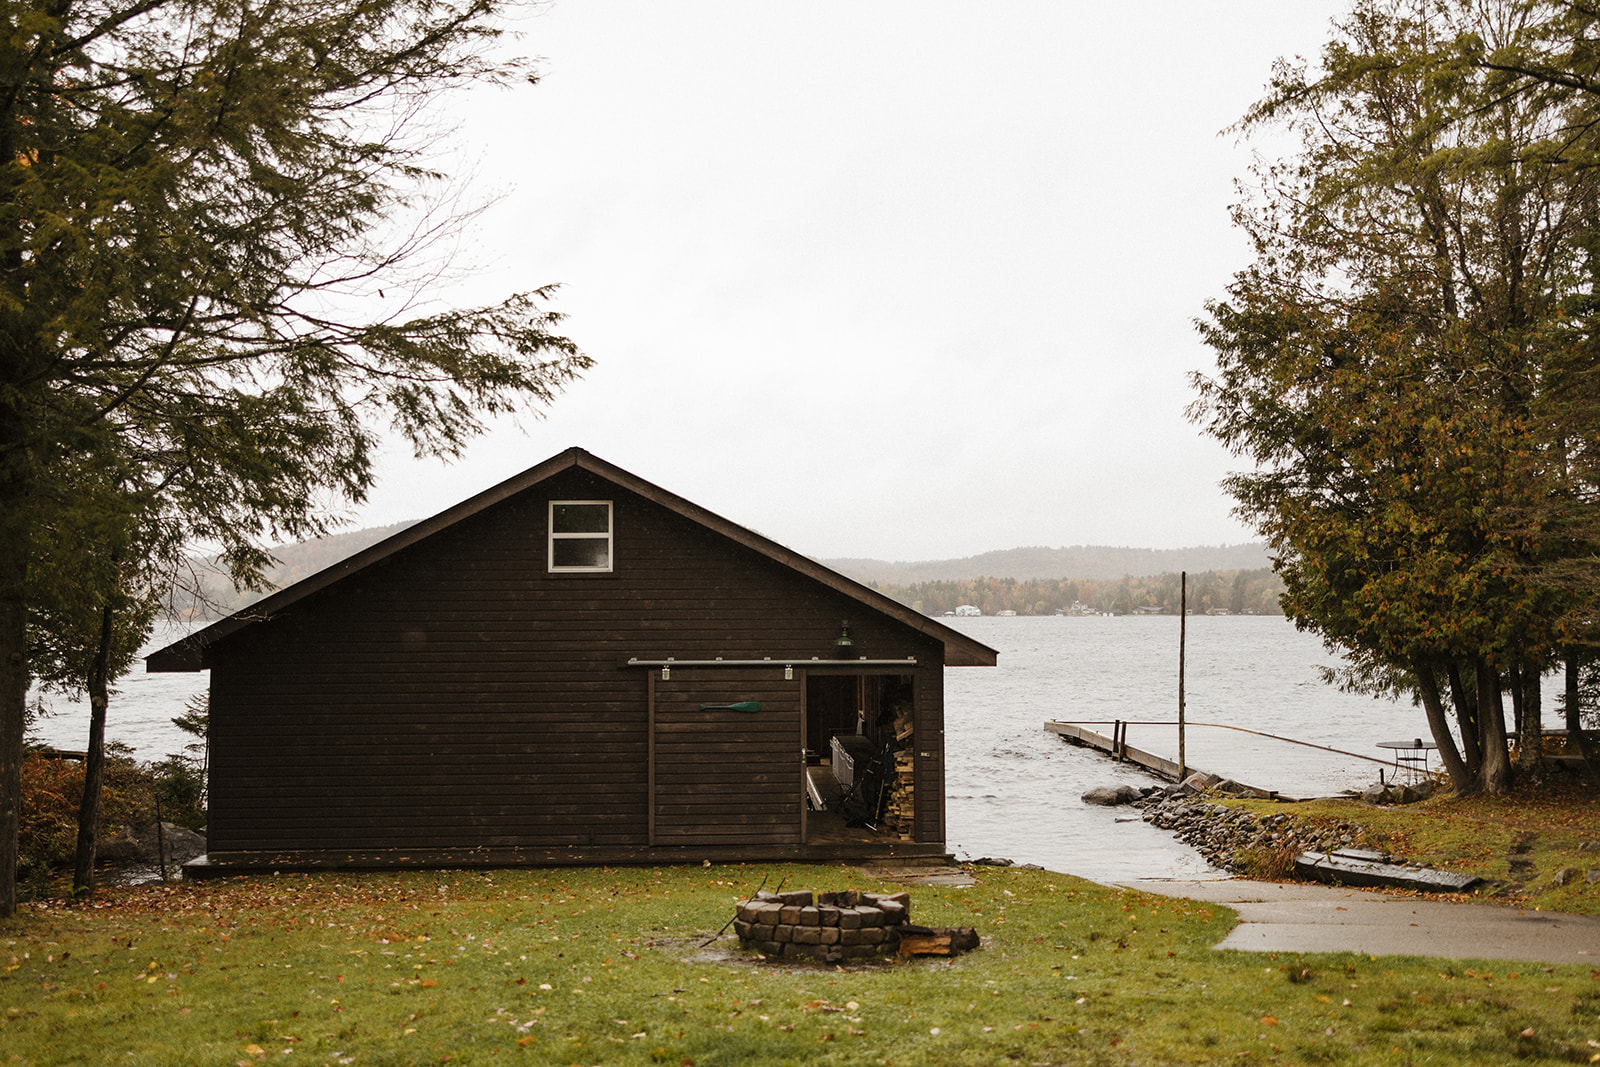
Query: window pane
x: 581, y: 518
x: 581, y: 552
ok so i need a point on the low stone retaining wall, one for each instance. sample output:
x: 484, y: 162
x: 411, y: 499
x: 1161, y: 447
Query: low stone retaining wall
x: 831, y: 926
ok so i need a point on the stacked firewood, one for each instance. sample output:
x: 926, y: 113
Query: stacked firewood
x: 901, y: 815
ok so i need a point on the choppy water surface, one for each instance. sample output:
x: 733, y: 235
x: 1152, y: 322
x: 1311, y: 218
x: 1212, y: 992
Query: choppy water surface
x: 140, y: 715
x: 1013, y: 787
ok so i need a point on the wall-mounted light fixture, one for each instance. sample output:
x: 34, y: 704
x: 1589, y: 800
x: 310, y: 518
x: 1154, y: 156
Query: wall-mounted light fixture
x: 843, y: 647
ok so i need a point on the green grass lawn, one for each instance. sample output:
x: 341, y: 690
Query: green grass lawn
x: 607, y: 967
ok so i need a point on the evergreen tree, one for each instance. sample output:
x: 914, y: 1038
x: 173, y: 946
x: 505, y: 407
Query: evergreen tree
x: 1384, y: 360
x: 196, y: 204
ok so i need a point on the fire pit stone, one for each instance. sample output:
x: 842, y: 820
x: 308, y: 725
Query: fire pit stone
x: 844, y: 925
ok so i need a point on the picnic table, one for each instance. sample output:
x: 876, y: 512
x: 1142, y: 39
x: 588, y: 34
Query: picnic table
x: 1410, y: 757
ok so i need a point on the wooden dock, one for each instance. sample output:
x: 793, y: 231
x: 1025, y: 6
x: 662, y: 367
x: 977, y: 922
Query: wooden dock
x: 1118, y: 748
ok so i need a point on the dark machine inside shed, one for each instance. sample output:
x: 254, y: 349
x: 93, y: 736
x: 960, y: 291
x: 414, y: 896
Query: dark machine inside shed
x: 859, y: 761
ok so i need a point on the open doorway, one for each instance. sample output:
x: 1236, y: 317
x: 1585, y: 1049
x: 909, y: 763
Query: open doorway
x: 860, y: 771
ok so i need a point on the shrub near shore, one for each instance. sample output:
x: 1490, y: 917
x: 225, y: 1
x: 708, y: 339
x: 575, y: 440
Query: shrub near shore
x: 609, y: 966
x: 132, y: 797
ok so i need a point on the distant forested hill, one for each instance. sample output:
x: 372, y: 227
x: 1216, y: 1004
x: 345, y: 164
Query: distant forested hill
x: 912, y: 582
x: 295, y: 562
x: 308, y: 557
x: 1233, y: 592
x: 1096, y: 562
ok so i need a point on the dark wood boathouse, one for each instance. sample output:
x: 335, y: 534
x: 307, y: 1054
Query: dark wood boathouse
x: 575, y: 666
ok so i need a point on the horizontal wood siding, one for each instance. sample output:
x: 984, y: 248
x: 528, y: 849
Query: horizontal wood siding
x: 456, y: 695
x: 720, y: 776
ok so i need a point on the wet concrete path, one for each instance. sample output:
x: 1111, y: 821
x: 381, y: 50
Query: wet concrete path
x: 1298, y: 917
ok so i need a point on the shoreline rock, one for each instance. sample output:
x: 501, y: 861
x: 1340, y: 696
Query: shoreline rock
x: 134, y: 858
x: 1108, y: 796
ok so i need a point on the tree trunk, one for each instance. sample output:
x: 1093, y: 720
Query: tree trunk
x: 1495, y: 774
x: 1586, y: 748
x: 13, y: 714
x: 1466, y: 720
x: 16, y: 537
x: 95, y: 762
x: 1461, y: 778
x: 14, y: 553
x: 1530, y: 724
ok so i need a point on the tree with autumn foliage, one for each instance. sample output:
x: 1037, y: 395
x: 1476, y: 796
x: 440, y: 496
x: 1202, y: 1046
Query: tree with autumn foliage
x: 1421, y: 265
x: 209, y: 217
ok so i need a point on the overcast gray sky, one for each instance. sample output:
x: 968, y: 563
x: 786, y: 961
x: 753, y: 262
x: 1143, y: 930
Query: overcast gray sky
x: 904, y: 280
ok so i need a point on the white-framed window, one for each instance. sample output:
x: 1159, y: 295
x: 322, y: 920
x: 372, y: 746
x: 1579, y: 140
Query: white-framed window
x: 580, y: 535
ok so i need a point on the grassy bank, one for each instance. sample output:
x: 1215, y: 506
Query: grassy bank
x: 1517, y: 842
x: 608, y: 966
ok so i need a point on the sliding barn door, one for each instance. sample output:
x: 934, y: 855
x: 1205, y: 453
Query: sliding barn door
x: 724, y: 775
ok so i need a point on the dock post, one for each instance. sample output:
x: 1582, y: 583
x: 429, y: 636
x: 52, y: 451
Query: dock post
x: 1183, y: 640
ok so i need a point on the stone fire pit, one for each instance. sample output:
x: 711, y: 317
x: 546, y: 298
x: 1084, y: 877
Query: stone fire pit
x: 840, y: 926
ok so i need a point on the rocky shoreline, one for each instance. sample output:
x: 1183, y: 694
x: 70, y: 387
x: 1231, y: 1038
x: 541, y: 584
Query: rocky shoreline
x: 1227, y: 837
x: 1236, y: 840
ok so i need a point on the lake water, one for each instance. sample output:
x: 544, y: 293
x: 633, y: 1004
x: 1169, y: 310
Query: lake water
x: 1014, y: 788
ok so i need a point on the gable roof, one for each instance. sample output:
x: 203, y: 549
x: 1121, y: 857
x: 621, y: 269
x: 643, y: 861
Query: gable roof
x: 190, y: 653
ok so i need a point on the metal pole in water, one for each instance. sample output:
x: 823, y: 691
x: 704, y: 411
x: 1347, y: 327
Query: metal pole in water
x: 1183, y: 638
